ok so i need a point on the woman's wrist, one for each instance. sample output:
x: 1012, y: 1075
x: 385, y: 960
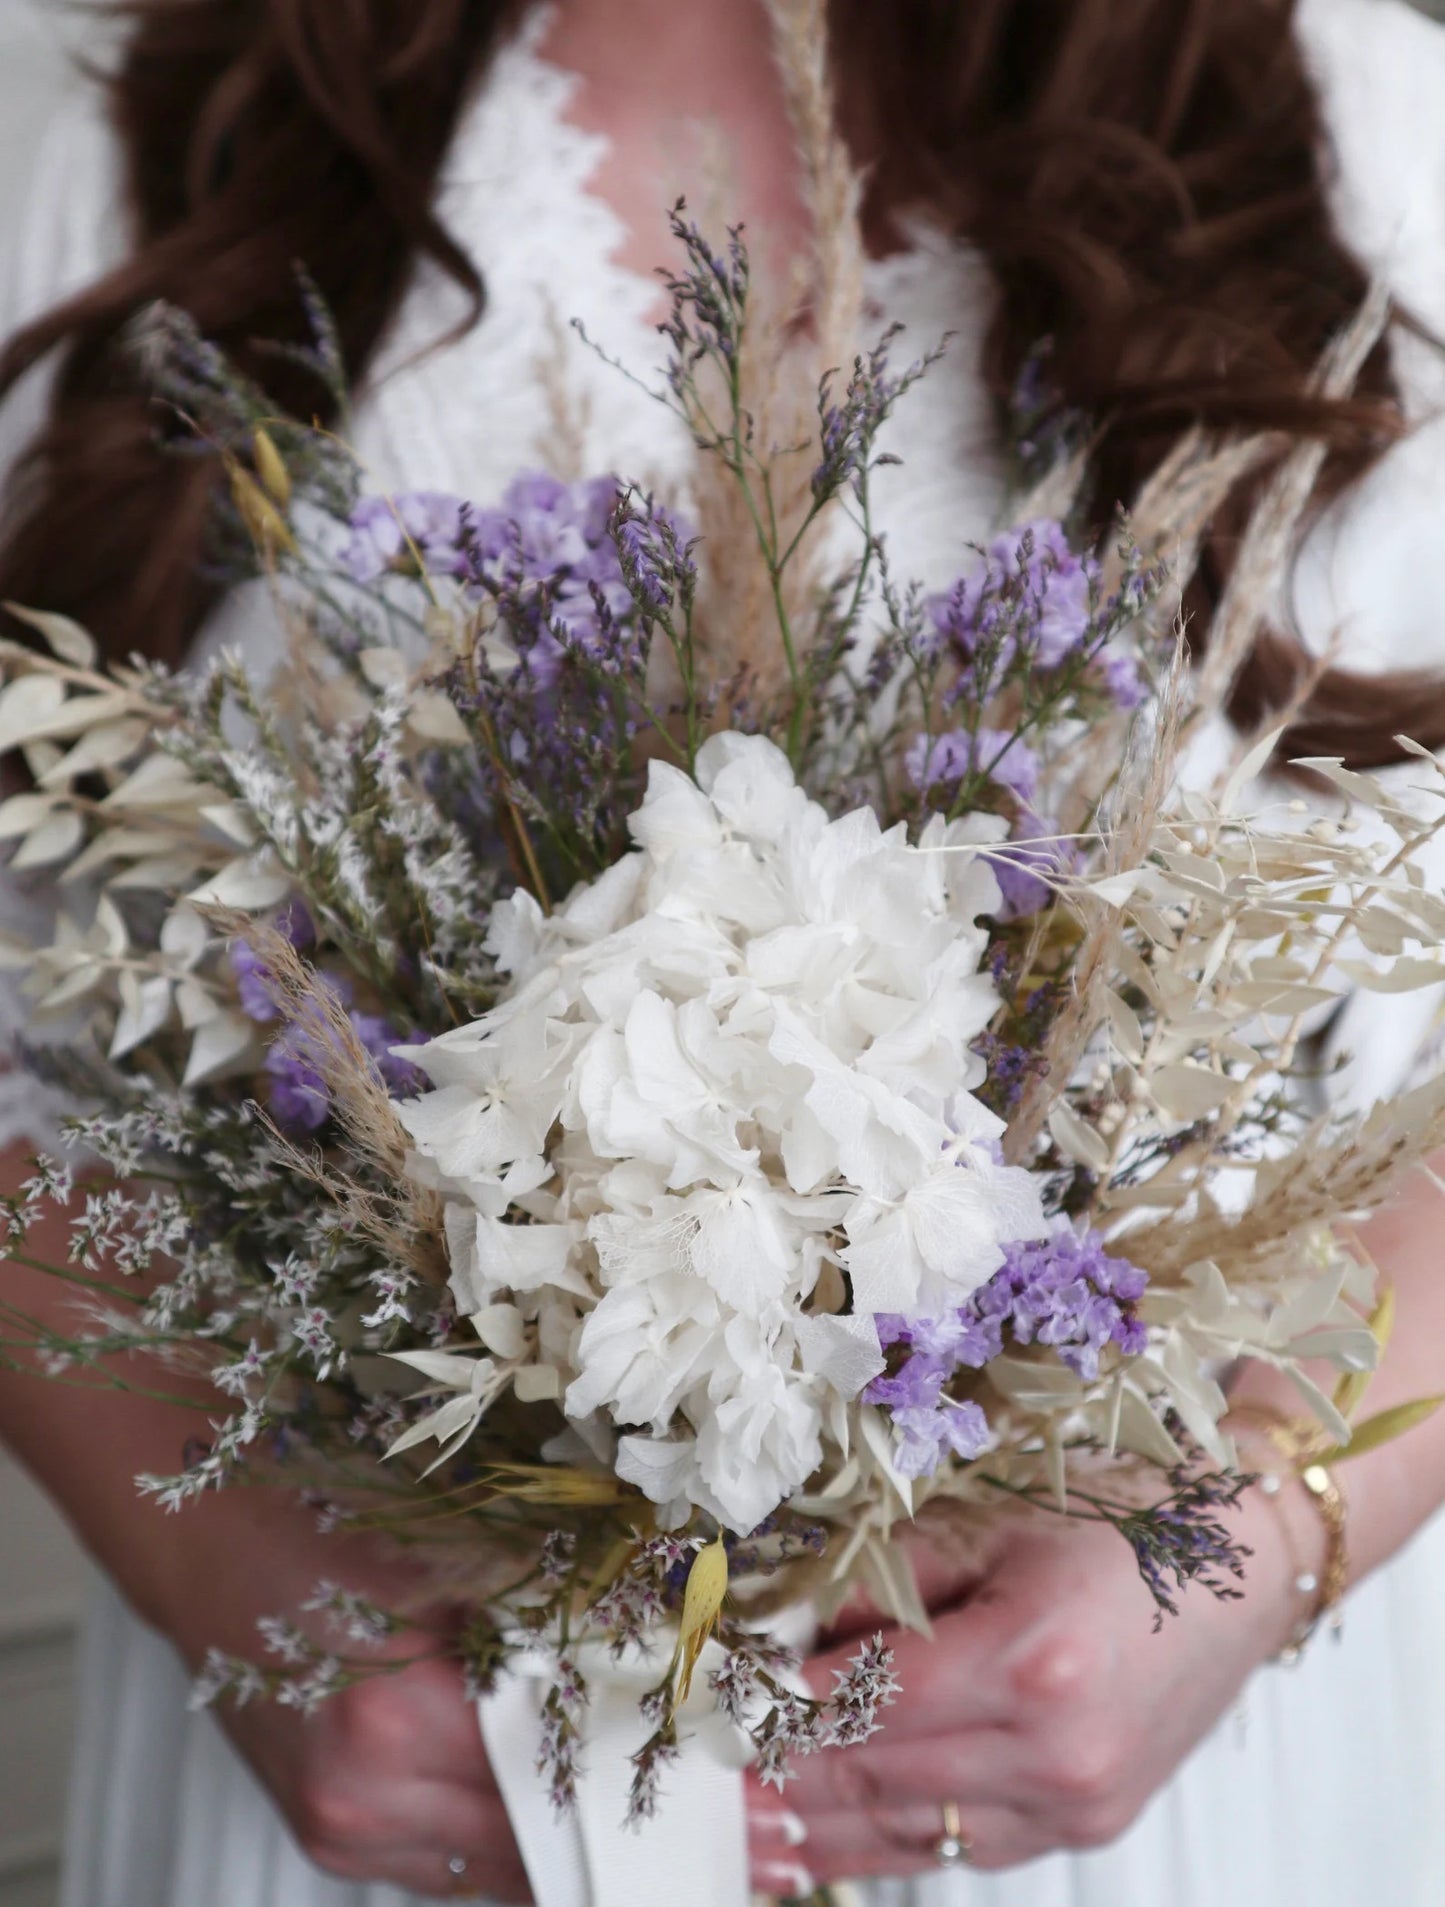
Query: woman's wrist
x: 1292, y: 1542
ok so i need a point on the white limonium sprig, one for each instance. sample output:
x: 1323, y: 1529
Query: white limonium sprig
x: 723, y: 1116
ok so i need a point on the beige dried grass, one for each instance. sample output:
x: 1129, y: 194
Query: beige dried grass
x: 801, y: 325
x: 404, y: 1220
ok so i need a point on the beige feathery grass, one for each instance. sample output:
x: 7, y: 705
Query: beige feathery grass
x: 405, y: 1220
x: 802, y: 324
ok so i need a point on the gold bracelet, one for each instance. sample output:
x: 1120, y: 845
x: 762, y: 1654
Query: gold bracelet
x: 1300, y: 1445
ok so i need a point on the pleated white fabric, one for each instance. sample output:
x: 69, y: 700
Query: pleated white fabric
x: 1327, y: 1785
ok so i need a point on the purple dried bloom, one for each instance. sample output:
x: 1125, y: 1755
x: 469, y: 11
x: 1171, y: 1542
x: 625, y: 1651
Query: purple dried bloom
x: 1033, y: 844
x: 406, y: 535
x: 379, y: 1036
x: 915, y: 1386
x: 1033, y: 593
x: 299, y: 1098
x: 866, y: 1685
x: 929, y: 1435
x: 946, y: 760
x: 1064, y: 1291
x: 255, y: 984
x: 1123, y: 683
x: 295, y: 922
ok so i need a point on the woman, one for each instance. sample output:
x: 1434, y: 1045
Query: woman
x: 1142, y: 181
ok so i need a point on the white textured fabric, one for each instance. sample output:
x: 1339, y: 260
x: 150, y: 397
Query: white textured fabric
x: 1326, y: 1787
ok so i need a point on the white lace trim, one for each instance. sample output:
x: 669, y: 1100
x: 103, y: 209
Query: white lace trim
x: 518, y: 194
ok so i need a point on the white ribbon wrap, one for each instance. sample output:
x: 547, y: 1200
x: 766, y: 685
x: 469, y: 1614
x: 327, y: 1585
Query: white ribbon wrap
x: 694, y: 1848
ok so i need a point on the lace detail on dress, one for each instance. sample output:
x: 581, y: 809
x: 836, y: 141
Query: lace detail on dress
x: 522, y: 390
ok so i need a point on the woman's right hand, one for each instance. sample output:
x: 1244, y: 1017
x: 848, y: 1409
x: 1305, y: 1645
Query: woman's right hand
x: 387, y: 1781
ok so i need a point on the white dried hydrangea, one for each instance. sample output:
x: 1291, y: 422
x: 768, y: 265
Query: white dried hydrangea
x: 738, y: 1062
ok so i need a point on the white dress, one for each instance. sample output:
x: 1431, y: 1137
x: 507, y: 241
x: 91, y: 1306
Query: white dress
x: 1327, y: 1785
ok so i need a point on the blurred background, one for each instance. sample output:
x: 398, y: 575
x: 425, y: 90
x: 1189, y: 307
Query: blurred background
x: 40, y: 1572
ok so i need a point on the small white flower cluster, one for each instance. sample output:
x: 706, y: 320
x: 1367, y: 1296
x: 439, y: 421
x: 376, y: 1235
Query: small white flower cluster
x: 722, y: 1119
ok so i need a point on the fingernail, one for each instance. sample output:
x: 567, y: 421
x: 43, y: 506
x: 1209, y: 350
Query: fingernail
x: 785, y: 1879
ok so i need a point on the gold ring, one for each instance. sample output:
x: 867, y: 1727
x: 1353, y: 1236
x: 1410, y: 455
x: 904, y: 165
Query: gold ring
x: 953, y: 1847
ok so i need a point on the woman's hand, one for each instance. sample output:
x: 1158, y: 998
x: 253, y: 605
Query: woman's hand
x: 388, y: 1780
x: 1045, y: 1707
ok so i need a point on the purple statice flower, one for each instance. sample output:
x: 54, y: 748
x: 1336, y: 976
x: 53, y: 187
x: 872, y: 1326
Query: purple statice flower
x: 299, y: 1096
x: 1123, y: 683
x: 949, y: 1428
x: 255, y: 987
x: 1035, y: 853
x: 380, y: 1037
x: 1064, y: 1291
x: 579, y: 576
x: 255, y: 984
x: 1031, y: 602
x: 391, y: 534
x: 945, y: 760
x: 656, y: 561
x: 545, y: 553
x: 295, y: 922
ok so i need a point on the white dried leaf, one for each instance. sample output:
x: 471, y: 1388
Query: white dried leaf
x: 79, y: 714
x: 158, y: 782
x: 250, y: 884
x: 1382, y: 931
x: 1141, y: 1432
x: 431, y: 716
x: 161, y: 873
x: 110, y: 925
x: 1077, y: 1139
x: 56, y: 839
x: 1266, y: 996
x: 1117, y: 890
x: 383, y: 668
x: 115, y: 844
x: 1125, y: 1027
x: 1404, y: 975
x: 145, y: 1008
x: 1187, y: 1092
x: 502, y: 1329
x: 184, y: 935
x: 40, y: 757
x: 82, y: 979
x: 26, y: 705
x: 21, y: 813
x: 105, y: 746
x: 220, y: 1044
x: 227, y: 818
x: 66, y: 638
x: 879, y: 1439
x: 537, y: 1383
x: 1249, y: 769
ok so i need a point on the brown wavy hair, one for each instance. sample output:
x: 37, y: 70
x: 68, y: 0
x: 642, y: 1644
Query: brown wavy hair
x: 1147, y: 179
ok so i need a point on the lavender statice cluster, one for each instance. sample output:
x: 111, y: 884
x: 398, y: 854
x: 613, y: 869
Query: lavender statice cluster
x: 1182, y: 1539
x: 1065, y: 1292
x: 1033, y: 606
x: 1031, y: 628
x: 546, y: 549
x: 570, y: 584
x: 294, y: 1065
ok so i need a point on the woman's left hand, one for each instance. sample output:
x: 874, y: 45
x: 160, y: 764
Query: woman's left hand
x: 1045, y: 1708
